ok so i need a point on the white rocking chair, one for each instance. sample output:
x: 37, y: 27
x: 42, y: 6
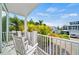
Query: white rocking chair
x: 22, y: 47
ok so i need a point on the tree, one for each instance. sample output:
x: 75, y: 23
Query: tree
x: 40, y: 22
x: 16, y: 24
x: 45, y: 30
x: 21, y: 25
x: 39, y: 27
x: 31, y: 22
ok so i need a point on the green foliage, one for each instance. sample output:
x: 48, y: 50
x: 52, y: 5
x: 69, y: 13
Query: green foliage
x: 40, y: 22
x: 39, y: 27
x: 64, y: 36
x: 45, y: 30
x: 4, y: 24
x: 16, y: 24
x: 31, y: 22
x: 32, y: 27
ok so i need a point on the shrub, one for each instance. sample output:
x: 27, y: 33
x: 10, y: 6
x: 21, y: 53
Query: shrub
x: 64, y: 36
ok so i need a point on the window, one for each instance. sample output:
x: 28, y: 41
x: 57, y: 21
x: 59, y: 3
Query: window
x: 78, y: 27
x: 69, y: 27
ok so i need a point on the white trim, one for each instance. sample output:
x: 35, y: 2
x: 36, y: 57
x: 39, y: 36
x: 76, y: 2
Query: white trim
x: 0, y: 28
x: 7, y: 26
x: 7, y: 21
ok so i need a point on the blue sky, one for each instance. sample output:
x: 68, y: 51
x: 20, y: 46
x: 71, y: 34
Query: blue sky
x: 55, y: 14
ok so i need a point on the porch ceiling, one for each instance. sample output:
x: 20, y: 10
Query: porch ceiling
x: 21, y: 8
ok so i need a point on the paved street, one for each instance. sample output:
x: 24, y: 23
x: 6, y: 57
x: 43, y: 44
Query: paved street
x: 75, y: 39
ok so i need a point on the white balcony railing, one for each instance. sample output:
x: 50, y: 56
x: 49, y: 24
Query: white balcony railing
x: 51, y: 45
x: 57, y: 46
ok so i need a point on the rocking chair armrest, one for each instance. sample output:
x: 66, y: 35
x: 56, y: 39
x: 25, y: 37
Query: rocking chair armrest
x: 30, y: 51
x: 26, y: 42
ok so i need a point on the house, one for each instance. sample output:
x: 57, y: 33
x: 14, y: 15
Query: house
x: 72, y: 28
x: 55, y: 29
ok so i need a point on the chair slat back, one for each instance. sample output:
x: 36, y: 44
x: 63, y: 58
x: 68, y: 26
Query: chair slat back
x: 19, y: 45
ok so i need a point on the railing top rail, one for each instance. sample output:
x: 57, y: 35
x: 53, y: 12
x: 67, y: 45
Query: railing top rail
x: 5, y: 32
x: 76, y: 42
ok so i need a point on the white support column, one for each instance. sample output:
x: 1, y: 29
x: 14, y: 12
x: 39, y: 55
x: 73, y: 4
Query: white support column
x: 7, y: 21
x: 0, y: 28
x: 25, y: 27
x: 7, y: 26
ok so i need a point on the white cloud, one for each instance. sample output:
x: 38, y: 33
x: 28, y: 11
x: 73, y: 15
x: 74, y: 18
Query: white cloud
x: 72, y: 4
x: 62, y: 10
x: 51, y: 9
x: 73, y: 14
x: 48, y: 23
x: 42, y: 14
x: 69, y: 15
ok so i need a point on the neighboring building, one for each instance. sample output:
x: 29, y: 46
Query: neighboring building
x: 73, y: 28
x: 55, y: 29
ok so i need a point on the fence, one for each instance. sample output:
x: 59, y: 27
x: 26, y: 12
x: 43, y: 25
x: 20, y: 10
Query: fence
x: 4, y: 36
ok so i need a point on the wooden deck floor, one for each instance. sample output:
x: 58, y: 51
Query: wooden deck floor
x: 10, y: 50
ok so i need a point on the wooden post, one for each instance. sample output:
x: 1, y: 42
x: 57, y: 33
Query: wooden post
x: 0, y: 28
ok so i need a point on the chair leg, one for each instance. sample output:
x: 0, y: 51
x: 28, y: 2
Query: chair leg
x: 36, y: 52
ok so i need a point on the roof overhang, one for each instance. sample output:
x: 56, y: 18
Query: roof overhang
x: 23, y: 9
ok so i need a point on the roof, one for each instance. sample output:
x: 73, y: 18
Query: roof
x: 23, y: 9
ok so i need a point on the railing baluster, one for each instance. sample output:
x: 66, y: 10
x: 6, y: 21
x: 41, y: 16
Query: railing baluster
x: 71, y: 48
x: 47, y: 44
x: 53, y: 46
x: 60, y: 48
x: 78, y: 49
x: 43, y: 42
x: 56, y: 47
x: 40, y: 42
x: 3, y: 36
x: 65, y: 47
x: 50, y: 45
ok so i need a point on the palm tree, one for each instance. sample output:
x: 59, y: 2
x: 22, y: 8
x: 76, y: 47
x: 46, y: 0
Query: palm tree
x: 31, y: 21
x: 40, y: 22
x: 14, y: 22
